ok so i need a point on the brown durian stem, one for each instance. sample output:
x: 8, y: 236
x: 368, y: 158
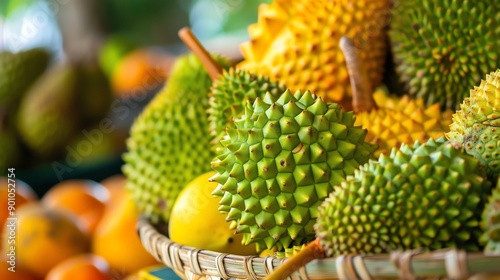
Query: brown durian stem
x: 311, y: 252
x: 362, y: 99
x: 213, y: 69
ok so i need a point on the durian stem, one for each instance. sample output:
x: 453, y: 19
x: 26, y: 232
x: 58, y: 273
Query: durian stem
x: 362, y: 99
x: 311, y: 252
x: 213, y: 69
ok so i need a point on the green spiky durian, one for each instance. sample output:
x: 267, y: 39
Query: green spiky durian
x: 229, y: 95
x: 18, y: 71
x: 289, y: 252
x: 169, y: 144
x: 48, y: 116
x: 428, y: 196
x: 491, y: 223
x: 278, y: 164
x: 476, y: 126
x: 296, y: 42
x: 441, y: 48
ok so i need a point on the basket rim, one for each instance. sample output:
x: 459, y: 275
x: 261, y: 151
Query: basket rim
x: 453, y: 263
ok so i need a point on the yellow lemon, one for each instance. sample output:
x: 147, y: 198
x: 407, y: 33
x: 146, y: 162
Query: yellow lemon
x: 196, y: 221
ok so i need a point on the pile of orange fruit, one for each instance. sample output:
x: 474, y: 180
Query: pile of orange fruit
x: 79, y: 229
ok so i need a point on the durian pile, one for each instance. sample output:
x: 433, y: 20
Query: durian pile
x: 308, y: 143
x: 48, y: 108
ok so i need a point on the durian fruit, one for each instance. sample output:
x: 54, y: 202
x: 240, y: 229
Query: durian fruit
x: 48, y: 115
x: 230, y: 91
x: 289, y: 252
x: 297, y: 43
x: 228, y: 97
x: 69, y: 97
x: 441, y: 48
x: 476, y: 126
x: 398, y: 120
x: 18, y: 71
x: 428, y: 196
x: 169, y: 144
x: 95, y: 95
x: 278, y: 164
x: 391, y: 120
x: 491, y: 223
x: 11, y: 150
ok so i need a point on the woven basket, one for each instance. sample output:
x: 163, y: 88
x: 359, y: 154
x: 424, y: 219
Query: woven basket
x: 192, y: 263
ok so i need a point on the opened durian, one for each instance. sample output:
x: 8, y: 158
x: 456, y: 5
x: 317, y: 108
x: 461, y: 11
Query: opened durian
x: 476, y: 126
x: 391, y: 120
x: 398, y: 120
x: 278, y: 164
x: 297, y: 43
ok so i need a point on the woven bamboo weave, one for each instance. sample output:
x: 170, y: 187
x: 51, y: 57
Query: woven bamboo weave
x: 194, y: 263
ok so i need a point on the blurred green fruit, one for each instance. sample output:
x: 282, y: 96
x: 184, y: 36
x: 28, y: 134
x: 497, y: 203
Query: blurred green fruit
x: 48, y: 117
x: 10, y: 152
x: 65, y: 100
x: 18, y: 71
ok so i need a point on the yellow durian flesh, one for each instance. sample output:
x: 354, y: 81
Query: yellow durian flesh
x: 400, y: 120
x: 297, y: 43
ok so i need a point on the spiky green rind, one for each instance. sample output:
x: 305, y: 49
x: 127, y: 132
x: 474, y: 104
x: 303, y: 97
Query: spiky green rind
x: 442, y: 48
x: 282, y: 159
x: 491, y: 223
x: 169, y: 143
x: 289, y: 252
x: 18, y: 71
x: 427, y: 196
x: 229, y: 95
x: 476, y: 126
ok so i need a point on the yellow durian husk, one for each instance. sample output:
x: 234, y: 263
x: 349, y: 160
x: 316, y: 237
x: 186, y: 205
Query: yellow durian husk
x: 400, y: 120
x: 297, y: 43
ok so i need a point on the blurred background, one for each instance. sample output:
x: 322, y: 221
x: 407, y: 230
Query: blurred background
x: 74, y: 74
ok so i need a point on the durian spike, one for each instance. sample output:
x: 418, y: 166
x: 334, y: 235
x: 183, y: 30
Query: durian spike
x: 362, y: 99
x: 213, y: 69
x: 311, y: 252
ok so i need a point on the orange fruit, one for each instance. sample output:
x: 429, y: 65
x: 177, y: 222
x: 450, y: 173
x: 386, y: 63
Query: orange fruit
x: 85, y: 198
x: 23, y: 194
x: 139, y: 71
x: 116, y: 186
x: 12, y: 271
x: 42, y: 237
x: 81, y: 267
x: 116, y: 238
